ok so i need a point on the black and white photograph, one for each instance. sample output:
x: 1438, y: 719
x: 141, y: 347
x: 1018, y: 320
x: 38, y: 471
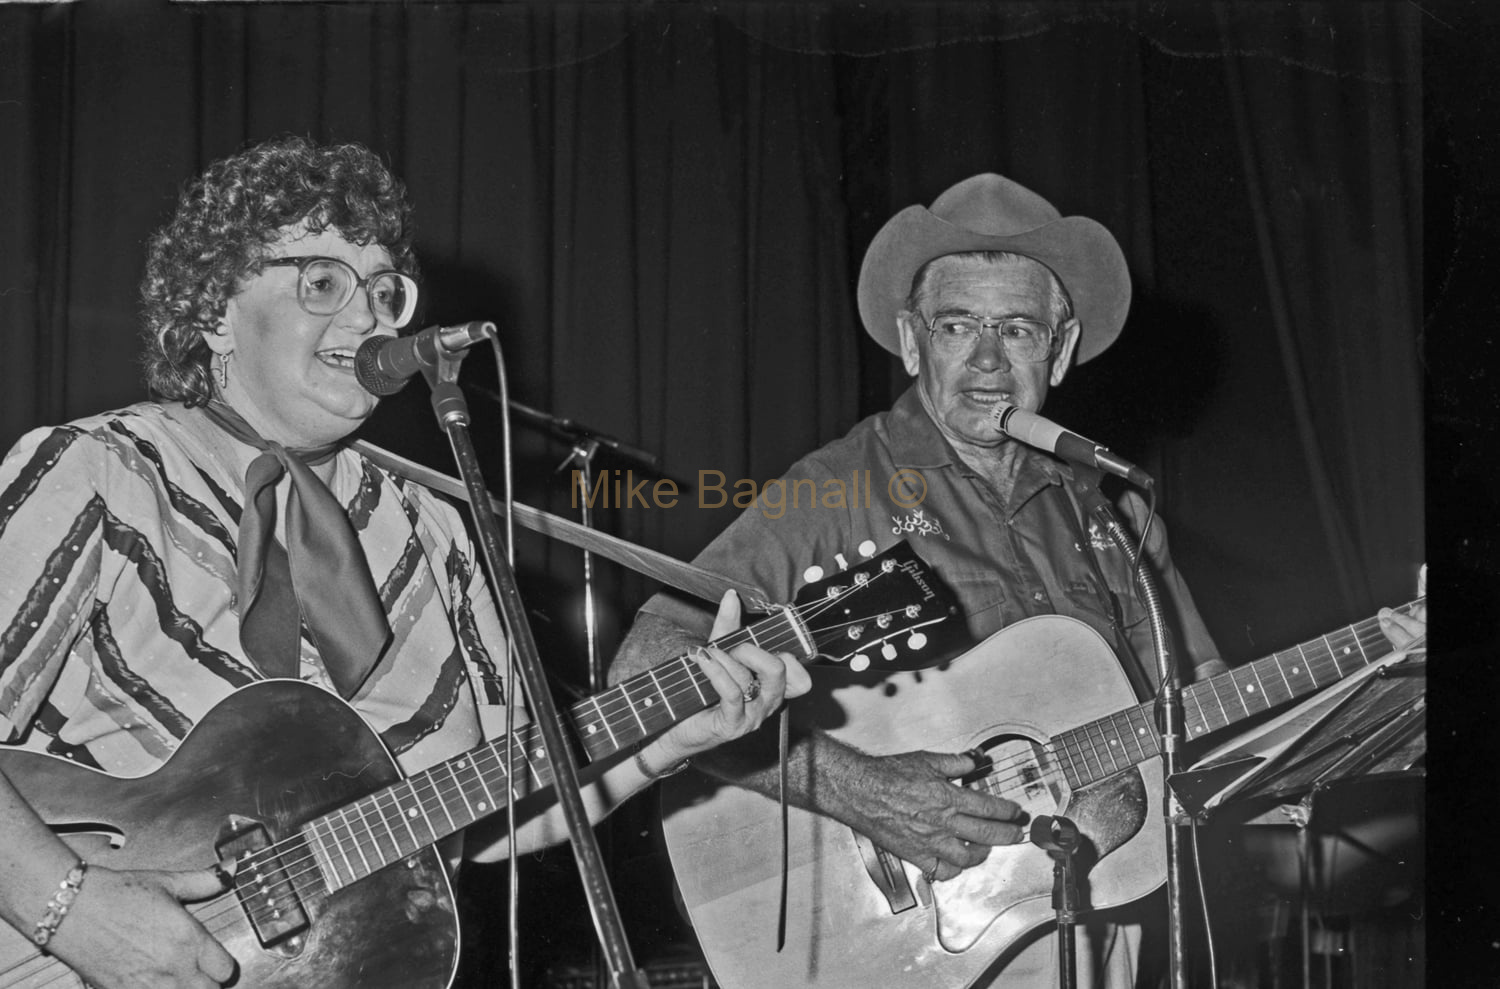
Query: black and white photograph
x: 521, y: 494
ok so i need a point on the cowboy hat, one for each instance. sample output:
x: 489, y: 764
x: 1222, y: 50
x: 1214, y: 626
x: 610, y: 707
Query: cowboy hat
x: 992, y: 213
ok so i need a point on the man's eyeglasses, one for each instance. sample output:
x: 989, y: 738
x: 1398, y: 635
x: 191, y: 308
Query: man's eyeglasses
x: 1025, y: 341
x: 326, y: 285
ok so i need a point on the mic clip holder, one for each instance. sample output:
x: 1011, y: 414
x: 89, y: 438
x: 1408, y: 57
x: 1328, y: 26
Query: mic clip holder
x: 1059, y: 838
x: 447, y: 398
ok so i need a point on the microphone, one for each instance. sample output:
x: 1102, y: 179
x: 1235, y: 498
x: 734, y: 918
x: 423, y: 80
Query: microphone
x: 1032, y: 429
x: 382, y: 364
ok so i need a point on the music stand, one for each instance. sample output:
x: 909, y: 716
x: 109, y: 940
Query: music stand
x: 1370, y: 726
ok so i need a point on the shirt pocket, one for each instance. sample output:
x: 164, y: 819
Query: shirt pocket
x: 978, y: 591
x: 1109, y: 602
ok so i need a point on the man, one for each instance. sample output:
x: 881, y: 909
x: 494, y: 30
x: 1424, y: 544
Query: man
x: 989, y: 296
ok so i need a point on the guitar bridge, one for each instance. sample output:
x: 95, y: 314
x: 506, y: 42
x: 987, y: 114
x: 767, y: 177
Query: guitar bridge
x: 262, y: 882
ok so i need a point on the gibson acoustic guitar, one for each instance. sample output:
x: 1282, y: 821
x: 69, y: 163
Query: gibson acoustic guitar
x: 337, y: 883
x: 857, y: 916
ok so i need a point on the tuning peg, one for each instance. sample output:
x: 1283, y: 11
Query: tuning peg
x: 839, y: 559
x: 916, y: 641
x: 813, y: 574
x: 888, y: 651
x: 867, y: 548
x: 859, y: 662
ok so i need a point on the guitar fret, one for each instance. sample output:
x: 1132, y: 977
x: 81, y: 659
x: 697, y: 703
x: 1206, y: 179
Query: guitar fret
x: 631, y: 705
x: 1126, y: 736
x: 463, y: 791
x: 1060, y: 752
x: 609, y: 729
x: 1276, y: 662
x: 1261, y: 686
x: 1095, y: 739
x: 665, y: 697
x: 442, y: 804
x: 1310, y: 666
x: 1080, y: 759
x: 333, y: 878
x: 1192, y: 694
x: 406, y: 812
x: 348, y: 839
x: 1145, y: 731
x: 1214, y: 686
x: 484, y: 784
x: 694, y: 678
x: 1092, y: 767
x: 1364, y: 656
x: 376, y: 831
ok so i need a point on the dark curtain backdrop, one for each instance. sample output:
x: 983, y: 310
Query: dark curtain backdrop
x: 664, y: 206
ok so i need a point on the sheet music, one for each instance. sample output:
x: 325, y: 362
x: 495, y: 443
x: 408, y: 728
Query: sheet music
x: 1257, y: 756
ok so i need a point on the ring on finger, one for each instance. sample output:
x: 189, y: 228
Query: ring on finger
x: 930, y: 874
x: 752, y: 690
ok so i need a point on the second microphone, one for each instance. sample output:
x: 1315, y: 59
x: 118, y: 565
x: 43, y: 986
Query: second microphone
x: 382, y: 365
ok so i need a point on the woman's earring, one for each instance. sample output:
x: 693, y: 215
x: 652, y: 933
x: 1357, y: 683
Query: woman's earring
x: 221, y: 371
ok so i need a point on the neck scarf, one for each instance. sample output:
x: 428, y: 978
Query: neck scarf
x: 320, y: 580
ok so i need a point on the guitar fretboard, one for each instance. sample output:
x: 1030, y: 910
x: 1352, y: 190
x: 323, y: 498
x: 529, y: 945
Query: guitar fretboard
x: 1103, y: 747
x: 390, y: 824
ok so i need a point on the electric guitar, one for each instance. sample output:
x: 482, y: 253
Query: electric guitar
x: 337, y: 883
x: 1046, y: 700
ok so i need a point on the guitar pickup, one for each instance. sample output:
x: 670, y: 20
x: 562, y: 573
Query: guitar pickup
x: 262, y: 882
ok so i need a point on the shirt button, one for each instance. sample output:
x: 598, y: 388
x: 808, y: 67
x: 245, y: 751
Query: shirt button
x: 1038, y: 597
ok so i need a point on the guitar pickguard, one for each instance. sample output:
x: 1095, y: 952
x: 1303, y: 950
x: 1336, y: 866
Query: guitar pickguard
x: 1108, y: 814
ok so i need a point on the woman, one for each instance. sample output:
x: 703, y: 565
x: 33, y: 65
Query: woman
x: 146, y: 578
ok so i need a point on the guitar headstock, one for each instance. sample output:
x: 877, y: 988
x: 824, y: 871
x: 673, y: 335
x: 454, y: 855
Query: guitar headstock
x: 872, y: 609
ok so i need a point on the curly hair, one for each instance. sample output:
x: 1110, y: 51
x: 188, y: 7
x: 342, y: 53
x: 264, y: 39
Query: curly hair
x: 224, y: 220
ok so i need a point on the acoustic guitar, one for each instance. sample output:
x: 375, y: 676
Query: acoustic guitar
x: 1048, y: 703
x: 337, y: 883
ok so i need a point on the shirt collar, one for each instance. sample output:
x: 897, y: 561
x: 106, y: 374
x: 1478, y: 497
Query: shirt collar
x: 916, y: 442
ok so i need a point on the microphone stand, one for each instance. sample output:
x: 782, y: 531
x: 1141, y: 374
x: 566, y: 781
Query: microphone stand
x: 586, y: 443
x: 453, y: 415
x: 570, y: 429
x: 1171, y: 718
x: 1058, y: 837
x: 583, y: 455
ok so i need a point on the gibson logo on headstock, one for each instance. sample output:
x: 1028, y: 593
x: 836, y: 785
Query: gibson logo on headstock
x: 914, y: 571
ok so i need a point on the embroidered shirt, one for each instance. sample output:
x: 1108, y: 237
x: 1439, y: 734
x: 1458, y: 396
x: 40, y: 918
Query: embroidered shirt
x: 894, y: 476
x: 119, y: 626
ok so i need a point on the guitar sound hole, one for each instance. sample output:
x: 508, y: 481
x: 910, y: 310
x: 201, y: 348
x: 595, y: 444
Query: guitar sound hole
x: 1017, y: 769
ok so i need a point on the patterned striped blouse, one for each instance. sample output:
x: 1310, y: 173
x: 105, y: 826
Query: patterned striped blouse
x: 119, y: 626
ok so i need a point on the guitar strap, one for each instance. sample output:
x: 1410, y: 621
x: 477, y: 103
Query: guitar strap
x: 686, y: 577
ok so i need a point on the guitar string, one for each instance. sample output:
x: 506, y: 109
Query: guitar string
x: 1011, y: 772
x: 990, y: 781
x: 999, y: 780
x: 668, y: 685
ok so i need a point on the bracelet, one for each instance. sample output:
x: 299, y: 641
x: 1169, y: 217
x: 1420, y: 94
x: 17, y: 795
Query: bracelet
x: 60, y: 904
x: 652, y: 774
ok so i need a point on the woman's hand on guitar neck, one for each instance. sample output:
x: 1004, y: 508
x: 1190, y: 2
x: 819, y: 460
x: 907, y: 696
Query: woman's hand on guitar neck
x: 910, y: 805
x: 751, y: 684
x: 129, y: 930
